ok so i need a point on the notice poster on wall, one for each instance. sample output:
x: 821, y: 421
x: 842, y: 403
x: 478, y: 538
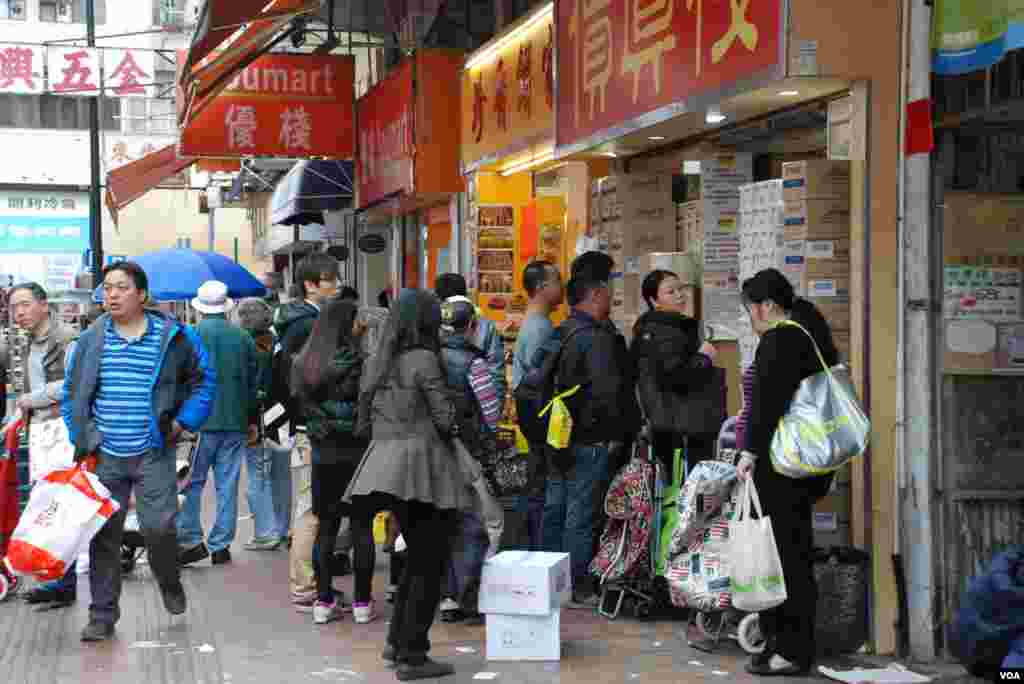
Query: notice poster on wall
x: 721, y: 178
x: 722, y: 304
x: 982, y: 292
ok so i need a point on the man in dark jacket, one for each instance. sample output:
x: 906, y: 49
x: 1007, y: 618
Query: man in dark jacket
x: 136, y: 380
x: 487, y: 338
x: 222, y: 440
x: 594, y: 357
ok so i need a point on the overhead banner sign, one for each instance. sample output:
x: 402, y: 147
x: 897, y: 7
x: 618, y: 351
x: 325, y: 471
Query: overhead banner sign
x: 968, y: 35
x: 625, y: 64
x: 77, y: 71
x: 43, y: 222
x: 385, y: 137
x: 280, y: 106
x: 508, y: 92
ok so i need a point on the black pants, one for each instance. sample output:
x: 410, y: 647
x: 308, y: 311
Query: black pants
x: 428, y: 533
x: 790, y: 627
x: 329, y: 483
x: 364, y: 551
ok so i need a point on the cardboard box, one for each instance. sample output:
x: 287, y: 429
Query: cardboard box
x: 836, y: 311
x: 816, y: 219
x: 817, y: 259
x: 649, y: 213
x: 678, y: 262
x: 836, y: 501
x: 524, y: 637
x: 525, y: 583
x: 815, y: 178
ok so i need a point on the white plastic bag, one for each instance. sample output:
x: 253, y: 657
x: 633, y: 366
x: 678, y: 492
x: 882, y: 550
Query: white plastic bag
x: 65, y: 511
x: 490, y: 509
x: 49, y: 448
x: 757, y: 579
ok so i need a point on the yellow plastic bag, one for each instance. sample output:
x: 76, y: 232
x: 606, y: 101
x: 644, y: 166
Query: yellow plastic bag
x: 380, y: 527
x: 560, y: 422
x: 522, y: 446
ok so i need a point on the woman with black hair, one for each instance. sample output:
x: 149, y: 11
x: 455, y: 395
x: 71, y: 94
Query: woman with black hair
x: 671, y: 360
x: 785, y: 357
x: 411, y: 470
x: 325, y: 379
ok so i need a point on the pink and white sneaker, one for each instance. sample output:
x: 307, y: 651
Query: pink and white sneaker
x: 303, y: 601
x: 363, y: 613
x: 326, y: 612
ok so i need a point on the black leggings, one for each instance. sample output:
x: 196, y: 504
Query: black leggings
x: 364, y: 559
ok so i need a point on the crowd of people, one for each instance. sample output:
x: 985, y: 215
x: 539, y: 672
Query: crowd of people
x: 380, y: 429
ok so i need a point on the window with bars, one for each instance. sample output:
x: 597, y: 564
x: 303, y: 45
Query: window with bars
x: 56, y: 112
x: 151, y: 115
x: 12, y: 9
x: 69, y: 11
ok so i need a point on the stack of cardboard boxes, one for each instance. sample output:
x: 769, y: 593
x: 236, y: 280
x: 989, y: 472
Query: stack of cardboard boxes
x: 816, y: 250
x: 522, y: 594
x: 689, y: 224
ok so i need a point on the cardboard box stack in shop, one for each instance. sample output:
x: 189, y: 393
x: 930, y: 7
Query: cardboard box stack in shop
x: 522, y: 593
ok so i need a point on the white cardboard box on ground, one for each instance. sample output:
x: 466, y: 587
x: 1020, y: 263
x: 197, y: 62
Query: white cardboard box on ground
x: 524, y: 637
x: 525, y: 583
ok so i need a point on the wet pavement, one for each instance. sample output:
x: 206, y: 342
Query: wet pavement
x: 240, y: 628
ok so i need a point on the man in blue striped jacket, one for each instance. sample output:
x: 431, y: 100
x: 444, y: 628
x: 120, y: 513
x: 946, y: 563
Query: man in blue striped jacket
x: 136, y: 380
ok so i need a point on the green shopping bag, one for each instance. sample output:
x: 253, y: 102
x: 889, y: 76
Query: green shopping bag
x: 670, y: 511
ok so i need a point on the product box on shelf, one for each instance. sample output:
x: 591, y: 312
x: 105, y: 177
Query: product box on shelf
x: 680, y: 263
x: 815, y: 178
x: 817, y: 219
x: 836, y: 311
x: 817, y: 259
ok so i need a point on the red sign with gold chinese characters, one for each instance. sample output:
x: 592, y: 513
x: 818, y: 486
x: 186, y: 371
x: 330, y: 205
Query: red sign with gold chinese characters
x: 619, y: 60
x: 280, y: 105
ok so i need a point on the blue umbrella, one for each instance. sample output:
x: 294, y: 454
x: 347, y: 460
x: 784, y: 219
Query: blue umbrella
x: 176, y: 274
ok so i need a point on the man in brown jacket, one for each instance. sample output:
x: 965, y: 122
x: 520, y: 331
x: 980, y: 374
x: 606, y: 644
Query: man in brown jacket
x: 42, y: 368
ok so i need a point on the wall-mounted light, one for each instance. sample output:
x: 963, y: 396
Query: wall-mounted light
x: 489, y: 52
x: 715, y: 117
x: 656, y: 138
x: 789, y: 93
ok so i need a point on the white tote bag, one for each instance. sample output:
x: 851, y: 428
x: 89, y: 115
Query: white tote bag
x: 757, y: 579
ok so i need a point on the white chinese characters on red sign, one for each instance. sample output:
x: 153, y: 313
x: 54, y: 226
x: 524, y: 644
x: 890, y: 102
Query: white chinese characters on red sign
x: 21, y: 69
x: 294, y: 130
x: 74, y: 70
x: 129, y: 73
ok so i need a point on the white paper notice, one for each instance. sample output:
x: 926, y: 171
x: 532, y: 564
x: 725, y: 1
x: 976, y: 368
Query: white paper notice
x: 992, y: 294
x: 970, y: 337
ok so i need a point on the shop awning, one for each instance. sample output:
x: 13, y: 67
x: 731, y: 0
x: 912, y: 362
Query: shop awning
x: 127, y: 183
x: 311, y: 188
x: 230, y: 36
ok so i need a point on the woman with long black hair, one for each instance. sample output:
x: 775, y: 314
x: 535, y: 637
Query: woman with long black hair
x: 411, y: 470
x: 785, y: 357
x: 326, y: 378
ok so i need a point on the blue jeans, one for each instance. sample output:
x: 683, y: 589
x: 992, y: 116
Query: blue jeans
x: 222, y: 452
x: 571, y: 510
x: 260, y: 495
x: 532, y: 509
x: 281, y: 490
x: 467, y: 559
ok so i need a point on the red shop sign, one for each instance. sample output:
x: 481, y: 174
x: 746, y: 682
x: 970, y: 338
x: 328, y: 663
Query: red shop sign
x: 281, y: 105
x: 385, y: 116
x: 620, y: 60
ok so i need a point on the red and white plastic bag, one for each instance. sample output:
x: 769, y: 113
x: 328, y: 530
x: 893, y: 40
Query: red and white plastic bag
x: 65, y: 511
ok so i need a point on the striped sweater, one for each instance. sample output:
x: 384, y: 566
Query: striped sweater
x: 744, y: 417
x: 485, y: 391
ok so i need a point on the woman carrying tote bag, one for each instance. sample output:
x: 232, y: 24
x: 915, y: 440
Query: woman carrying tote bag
x: 785, y: 357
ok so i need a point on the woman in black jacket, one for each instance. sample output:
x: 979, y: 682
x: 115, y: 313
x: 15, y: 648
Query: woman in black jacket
x: 326, y: 378
x: 785, y: 357
x: 667, y: 345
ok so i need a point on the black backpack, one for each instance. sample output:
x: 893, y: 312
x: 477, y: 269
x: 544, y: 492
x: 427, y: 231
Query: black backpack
x: 537, y: 388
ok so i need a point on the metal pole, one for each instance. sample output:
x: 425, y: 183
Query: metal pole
x: 95, y: 204
x: 920, y: 455
x: 212, y: 229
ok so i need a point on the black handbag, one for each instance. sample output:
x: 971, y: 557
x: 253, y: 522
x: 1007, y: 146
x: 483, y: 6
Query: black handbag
x: 701, y: 411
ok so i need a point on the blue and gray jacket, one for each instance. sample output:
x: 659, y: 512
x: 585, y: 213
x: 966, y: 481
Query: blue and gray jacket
x: 183, y: 389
